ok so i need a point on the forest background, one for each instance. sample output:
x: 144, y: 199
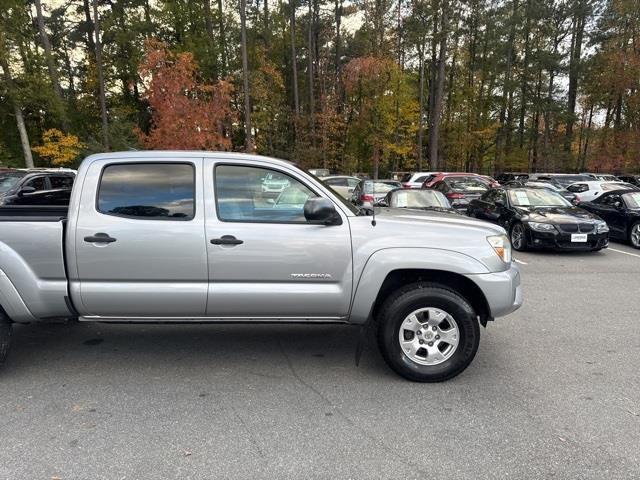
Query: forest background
x: 370, y: 86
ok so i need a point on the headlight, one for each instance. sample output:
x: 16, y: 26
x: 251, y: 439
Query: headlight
x: 502, y: 246
x: 602, y: 227
x: 542, y: 227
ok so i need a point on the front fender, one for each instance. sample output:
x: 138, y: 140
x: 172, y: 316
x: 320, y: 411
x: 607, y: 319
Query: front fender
x: 384, y: 261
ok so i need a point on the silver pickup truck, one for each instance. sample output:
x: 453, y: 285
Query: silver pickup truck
x: 195, y: 237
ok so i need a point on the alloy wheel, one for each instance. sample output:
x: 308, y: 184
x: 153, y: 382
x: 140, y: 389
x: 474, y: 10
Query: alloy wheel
x: 635, y: 235
x: 517, y: 236
x: 429, y: 336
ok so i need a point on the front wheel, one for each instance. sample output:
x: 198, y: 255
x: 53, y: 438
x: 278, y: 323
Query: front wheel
x: 427, y: 332
x: 518, y: 237
x: 634, y: 235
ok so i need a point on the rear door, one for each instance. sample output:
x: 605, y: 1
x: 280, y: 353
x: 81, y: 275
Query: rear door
x: 265, y: 260
x: 139, y: 240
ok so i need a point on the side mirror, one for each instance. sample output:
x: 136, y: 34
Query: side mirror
x: 26, y: 190
x: 321, y: 211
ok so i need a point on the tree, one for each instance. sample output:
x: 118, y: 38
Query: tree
x: 186, y: 115
x: 99, y: 67
x: 58, y: 148
x: 248, y: 133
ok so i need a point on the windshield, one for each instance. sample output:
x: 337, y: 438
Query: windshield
x: 529, y: 197
x: 418, y: 199
x: 380, y: 187
x: 351, y: 207
x: 467, y: 184
x: 9, y: 180
x: 632, y: 199
x: 550, y: 186
x: 406, y: 177
x: 565, y: 180
x: 607, y: 187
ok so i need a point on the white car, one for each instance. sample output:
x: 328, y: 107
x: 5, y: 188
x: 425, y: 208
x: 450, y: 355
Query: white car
x: 415, y: 180
x: 342, y: 184
x: 589, y: 191
x: 603, y: 177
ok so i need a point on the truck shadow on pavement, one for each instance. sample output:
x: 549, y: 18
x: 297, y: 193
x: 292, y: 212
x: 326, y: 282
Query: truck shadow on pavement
x: 254, y: 349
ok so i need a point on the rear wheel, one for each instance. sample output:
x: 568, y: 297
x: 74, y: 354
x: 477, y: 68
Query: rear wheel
x: 634, y: 235
x: 518, y: 237
x: 6, y: 329
x: 427, y: 332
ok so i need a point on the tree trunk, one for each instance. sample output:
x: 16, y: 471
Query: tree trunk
x: 223, y: 39
x: 310, y: 68
x: 574, y: 70
x: 208, y: 20
x: 91, y: 46
x: 245, y: 77
x: 53, y: 71
x: 525, y: 74
x: 421, y: 60
x: 434, y: 121
x: 506, y: 93
x: 22, y: 130
x: 294, y: 58
x: 338, y: 47
x: 103, y: 100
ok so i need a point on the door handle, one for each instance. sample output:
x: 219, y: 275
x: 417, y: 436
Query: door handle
x: 226, y: 240
x: 99, y: 238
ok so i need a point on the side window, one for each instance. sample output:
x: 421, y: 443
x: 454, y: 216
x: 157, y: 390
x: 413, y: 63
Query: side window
x: 148, y: 191
x: 61, y: 182
x: 353, y: 182
x: 253, y: 194
x: 39, y: 183
x: 489, y: 196
x: 421, y: 179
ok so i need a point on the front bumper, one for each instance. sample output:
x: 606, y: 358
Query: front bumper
x: 562, y: 241
x: 502, y: 290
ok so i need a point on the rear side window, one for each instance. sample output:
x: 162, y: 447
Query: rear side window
x: 61, y: 181
x: 39, y: 183
x: 336, y: 182
x: 149, y: 191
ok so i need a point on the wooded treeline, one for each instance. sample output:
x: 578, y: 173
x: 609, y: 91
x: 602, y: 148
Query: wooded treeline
x: 367, y: 86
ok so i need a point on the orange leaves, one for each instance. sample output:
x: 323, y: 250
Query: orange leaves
x: 186, y: 115
x: 58, y: 148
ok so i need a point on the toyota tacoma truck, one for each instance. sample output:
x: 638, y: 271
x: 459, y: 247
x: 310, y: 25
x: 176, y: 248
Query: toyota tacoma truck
x: 194, y: 237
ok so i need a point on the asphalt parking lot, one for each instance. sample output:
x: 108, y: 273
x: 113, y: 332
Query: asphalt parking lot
x: 554, y: 392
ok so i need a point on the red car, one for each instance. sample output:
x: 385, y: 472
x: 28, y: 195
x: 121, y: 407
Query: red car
x: 434, y: 178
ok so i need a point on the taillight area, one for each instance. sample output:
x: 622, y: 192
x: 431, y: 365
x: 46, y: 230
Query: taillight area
x: 366, y: 198
x: 454, y: 195
x: 406, y: 185
x: 576, y: 200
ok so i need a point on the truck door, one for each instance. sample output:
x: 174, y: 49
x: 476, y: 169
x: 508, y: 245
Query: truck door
x: 265, y: 260
x: 139, y: 240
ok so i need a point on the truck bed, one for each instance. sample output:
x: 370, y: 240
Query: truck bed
x: 33, y: 213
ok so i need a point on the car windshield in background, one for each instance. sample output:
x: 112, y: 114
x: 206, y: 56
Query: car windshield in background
x: 406, y: 177
x: 566, y: 180
x: 528, y: 197
x: 632, y: 199
x: 418, y: 199
x: 467, y: 184
x: 380, y: 187
x: 607, y: 187
x: 352, y: 208
x: 550, y: 186
x: 9, y: 180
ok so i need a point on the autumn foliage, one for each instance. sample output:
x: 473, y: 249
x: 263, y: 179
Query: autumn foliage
x: 59, y: 148
x: 186, y: 115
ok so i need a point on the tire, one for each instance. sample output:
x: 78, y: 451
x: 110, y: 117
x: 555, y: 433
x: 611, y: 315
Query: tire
x: 434, y: 299
x: 634, y: 235
x: 6, y: 328
x: 518, y: 228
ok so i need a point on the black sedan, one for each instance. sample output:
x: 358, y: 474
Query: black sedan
x: 416, y: 200
x: 539, y: 218
x: 621, y: 210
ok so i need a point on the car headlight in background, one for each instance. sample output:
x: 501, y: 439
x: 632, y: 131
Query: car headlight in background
x: 602, y: 227
x: 502, y: 246
x: 542, y: 227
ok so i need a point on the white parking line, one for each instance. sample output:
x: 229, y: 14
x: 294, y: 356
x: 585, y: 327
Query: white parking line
x: 622, y: 251
x: 520, y: 262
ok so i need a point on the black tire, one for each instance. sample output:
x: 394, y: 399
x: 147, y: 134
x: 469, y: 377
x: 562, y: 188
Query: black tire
x: 522, y: 247
x: 633, y: 243
x: 400, y: 304
x: 6, y: 328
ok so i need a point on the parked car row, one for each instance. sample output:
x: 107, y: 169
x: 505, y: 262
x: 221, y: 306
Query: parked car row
x: 539, y: 211
x: 36, y: 186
